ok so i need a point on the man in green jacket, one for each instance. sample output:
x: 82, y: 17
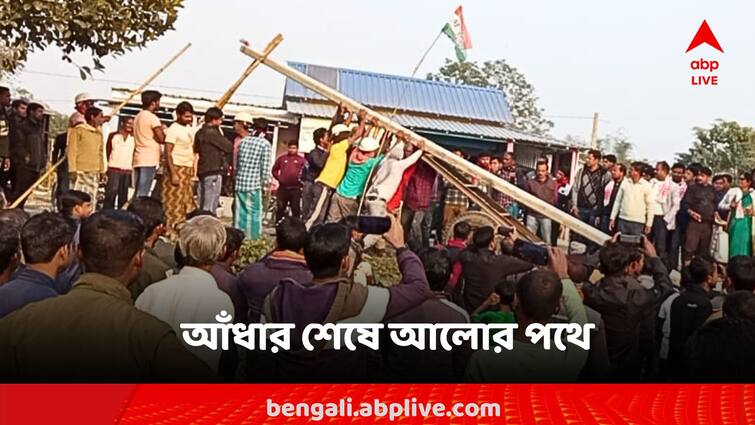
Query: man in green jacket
x: 94, y: 332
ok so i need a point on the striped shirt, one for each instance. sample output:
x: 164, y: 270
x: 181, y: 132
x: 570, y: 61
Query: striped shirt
x: 253, y: 169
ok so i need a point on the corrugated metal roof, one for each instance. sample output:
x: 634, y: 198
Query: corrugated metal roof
x: 498, y: 134
x: 410, y: 94
x: 200, y: 104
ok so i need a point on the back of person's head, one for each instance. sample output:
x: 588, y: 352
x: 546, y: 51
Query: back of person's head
x: 740, y: 305
x: 722, y: 351
x: 149, y: 96
x: 43, y: 236
x: 234, y: 238
x: 615, y: 257
x: 13, y: 218
x: 71, y: 199
x: 213, y: 114
x: 202, y: 241
x: 351, y: 221
x: 109, y: 240
x: 437, y: 267
x: 700, y: 269
x: 482, y: 237
x: 198, y: 213
x: 538, y: 295
x: 741, y: 272
x: 150, y: 211
x: 506, y: 292
x: 291, y: 234
x: 462, y: 230
x: 327, y: 246
x: 9, y: 244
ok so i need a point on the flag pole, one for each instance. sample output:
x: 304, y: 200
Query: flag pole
x: 414, y: 72
x: 398, y: 104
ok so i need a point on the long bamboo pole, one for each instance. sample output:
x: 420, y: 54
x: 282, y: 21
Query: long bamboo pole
x: 485, y: 176
x: 149, y: 80
x: 248, y: 71
x: 114, y: 112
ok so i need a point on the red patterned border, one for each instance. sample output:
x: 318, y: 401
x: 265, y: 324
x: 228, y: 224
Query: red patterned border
x: 245, y: 404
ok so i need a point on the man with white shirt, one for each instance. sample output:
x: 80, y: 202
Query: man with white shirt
x: 177, y: 193
x: 634, y: 204
x: 120, y: 163
x: 192, y: 296
x: 388, y: 176
x: 666, y: 200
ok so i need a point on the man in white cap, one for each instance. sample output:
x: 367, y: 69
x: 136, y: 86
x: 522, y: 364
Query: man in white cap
x: 252, y: 174
x: 361, y: 162
x: 82, y: 102
x: 335, y: 167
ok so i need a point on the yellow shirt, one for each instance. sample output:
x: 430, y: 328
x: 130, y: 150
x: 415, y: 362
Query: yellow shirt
x: 85, y: 149
x: 335, y: 166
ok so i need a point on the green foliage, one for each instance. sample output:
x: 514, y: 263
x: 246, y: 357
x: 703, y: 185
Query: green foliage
x: 725, y: 147
x: 498, y: 74
x: 619, y: 145
x: 384, y: 268
x: 100, y: 27
x: 58, y: 123
x: 251, y: 251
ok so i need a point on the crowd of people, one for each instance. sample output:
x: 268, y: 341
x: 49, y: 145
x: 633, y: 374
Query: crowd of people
x: 104, y: 287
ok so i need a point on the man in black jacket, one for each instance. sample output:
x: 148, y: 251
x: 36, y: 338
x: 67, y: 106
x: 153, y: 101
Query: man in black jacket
x: 690, y: 310
x: 5, y: 124
x: 484, y: 270
x: 213, y: 149
x: 628, y: 309
x: 29, y: 151
x: 315, y: 162
x: 700, y: 200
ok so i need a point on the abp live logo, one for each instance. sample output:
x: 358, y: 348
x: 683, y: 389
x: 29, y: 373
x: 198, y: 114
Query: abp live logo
x: 705, y: 68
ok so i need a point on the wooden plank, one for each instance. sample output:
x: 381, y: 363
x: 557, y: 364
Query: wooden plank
x: 247, y: 72
x: 461, y: 164
x: 485, y: 202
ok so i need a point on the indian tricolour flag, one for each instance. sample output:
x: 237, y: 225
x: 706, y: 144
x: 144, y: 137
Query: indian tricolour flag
x: 457, y: 32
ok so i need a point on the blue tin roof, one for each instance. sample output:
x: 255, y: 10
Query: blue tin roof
x: 462, y: 128
x: 410, y: 94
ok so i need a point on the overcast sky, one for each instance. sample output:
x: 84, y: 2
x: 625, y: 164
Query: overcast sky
x: 624, y: 60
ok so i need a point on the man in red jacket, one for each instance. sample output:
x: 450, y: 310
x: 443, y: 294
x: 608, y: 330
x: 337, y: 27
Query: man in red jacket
x: 287, y: 170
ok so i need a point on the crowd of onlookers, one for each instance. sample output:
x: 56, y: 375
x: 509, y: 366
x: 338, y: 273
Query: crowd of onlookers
x: 96, y: 291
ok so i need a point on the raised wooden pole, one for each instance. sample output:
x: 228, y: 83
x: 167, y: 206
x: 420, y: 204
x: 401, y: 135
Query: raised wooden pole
x: 149, y: 80
x: 467, y: 167
x: 248, y: 71
x: 114, y: 112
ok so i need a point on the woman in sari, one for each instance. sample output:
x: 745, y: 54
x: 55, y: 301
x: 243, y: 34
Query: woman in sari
x: 740, y: 201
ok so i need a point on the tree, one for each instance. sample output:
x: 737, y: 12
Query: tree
x: 498, y: 74
x: 101, y: 27
x: 618, y: 144
x: 726, y: 147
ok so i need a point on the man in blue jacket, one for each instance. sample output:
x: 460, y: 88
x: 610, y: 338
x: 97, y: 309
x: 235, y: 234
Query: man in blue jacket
x: 45, y: 242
